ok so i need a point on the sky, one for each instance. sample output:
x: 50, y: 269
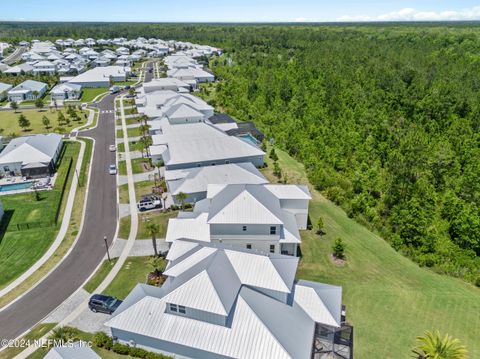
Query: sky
x: 239, y: 11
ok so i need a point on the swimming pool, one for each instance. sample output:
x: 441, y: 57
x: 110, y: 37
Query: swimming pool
x: 249, y: 138
x: 15, y: 186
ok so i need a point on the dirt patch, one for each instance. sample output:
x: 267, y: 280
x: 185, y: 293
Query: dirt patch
x: 339, y: 262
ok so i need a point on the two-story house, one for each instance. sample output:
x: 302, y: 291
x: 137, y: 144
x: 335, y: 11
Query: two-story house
x: 265, y: 217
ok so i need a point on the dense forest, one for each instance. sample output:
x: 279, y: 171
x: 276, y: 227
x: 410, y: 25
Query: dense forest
x: 386, y: 118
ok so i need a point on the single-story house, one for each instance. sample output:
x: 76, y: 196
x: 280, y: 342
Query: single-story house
x: 4, y: 88
x: 31, y: 156
x: 66, y: 91
x: 19, y: 69
x: 27, y: 91
x: 101, y: 76
x: 200, y: 144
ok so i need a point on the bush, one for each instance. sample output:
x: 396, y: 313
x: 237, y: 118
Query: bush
x: 339, y: 248
x: 137, y: 352
x: 102, y: 340
x: 121, y: 349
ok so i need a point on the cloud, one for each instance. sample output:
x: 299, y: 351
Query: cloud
x: 410, y: 14
x: 300, y: 19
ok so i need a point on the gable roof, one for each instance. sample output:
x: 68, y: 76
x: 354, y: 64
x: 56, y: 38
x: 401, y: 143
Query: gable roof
x: 31, y: 149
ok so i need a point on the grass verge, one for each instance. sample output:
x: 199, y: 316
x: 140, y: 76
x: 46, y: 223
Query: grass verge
x: 99, y: 275
x: 160, y: 218
x: 36, y: 333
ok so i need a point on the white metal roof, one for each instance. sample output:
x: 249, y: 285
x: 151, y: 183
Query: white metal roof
x: 197, y: 179
x: 31, y: 149
x: 194, y: 227
x: 78, y: 350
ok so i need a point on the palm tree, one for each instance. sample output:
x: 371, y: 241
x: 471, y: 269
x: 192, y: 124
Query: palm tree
x: 433, y: 346
x: 153, y: 229
x: 181, y: 197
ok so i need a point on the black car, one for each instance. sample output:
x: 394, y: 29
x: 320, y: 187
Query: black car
x: 103, y: 304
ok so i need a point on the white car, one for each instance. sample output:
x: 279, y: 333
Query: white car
x: 112, y: 148
x: 112, y: 169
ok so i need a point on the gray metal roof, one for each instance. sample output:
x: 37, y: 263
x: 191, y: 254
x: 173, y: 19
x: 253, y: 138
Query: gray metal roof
x: 77, y: 350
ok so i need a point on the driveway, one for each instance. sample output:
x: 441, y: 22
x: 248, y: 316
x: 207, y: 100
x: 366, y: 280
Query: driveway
x: 100, y: 221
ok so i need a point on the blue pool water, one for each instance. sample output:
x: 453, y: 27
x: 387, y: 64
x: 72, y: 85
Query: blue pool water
x: 249, y: 138
x: 15, y: 186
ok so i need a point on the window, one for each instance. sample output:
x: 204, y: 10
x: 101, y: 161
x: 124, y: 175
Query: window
x: 244, y: 228
x: 227, y: 162
x: 273, y: 230
x: 272, y: 248
x: 173, y: 307
x: 249, y: 246
x: 181, y: 309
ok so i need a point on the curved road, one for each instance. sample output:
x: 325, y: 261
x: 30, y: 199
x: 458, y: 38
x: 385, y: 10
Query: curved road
x: 100, y: 220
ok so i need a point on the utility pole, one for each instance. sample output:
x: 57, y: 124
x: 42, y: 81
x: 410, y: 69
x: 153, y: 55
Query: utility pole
x: 106, y: 247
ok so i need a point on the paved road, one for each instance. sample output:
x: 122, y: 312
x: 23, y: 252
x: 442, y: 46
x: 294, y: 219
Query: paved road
x: 149, y: 75
x: 100, y: 220
x: 14, y: 56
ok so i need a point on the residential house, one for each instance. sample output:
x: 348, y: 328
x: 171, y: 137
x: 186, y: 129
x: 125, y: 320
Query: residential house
x: 198, y: 144
x: 20, y: 69
x: 220, y: 302
x: 265, y: 217
x: 44, y: 67
x: 194, y: 181
x: 186, y: 74
x: 166, y: 83
x: 28, y: 90
x: 4, y: 88
x: 76, y: 350
x: 31, y: 156
x: 66, y: 91
x: 101, y: 76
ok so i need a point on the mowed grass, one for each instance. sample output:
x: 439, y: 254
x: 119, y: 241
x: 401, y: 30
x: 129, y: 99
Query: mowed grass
x: 157, y: 217
x: 9, y: 122
x: 99, y: 275
x: 389, y: 299
x: 134, y: 271
x: 89, y: 94
x: 36, y: 333
x: 20, y: 249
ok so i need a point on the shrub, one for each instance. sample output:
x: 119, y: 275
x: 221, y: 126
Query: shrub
x: 339, y: 248
x: 121, y: 349
x: 102, y: 340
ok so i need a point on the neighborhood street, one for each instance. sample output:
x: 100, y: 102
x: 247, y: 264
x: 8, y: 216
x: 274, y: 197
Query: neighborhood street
x: 100, y: 220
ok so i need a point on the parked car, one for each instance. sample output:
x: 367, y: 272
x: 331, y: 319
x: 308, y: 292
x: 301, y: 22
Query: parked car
x: 114, y: 89
x: 100, y: 303
x: 112, y: 169
x: 127, y: 87
x: 149, y: 202
x: 112, y: 148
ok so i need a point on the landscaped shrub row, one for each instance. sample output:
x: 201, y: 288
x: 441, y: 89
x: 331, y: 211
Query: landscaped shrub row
x: 102, y: 340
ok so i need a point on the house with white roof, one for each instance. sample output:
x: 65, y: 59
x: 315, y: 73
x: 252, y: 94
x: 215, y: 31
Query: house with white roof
x: 101, y: 76
x: 4, y: 88
x: 28, y: 90
x: 155, y: 104
x: 199, y: 144
x: 66, y: 91
x: 76, y: 350
x: 221, y: 302
x: 19, y: 69
x: 44, y: 67
x: 191, y: 73
x: 194, y: 181
x: 265, y: 217
x: 165, y: 83
x: 31, y: 156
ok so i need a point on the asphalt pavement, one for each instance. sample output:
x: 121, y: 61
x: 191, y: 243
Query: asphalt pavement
x: 88, y: 252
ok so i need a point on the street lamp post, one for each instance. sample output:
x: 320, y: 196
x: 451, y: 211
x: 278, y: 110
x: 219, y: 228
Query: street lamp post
x: 106, y: 247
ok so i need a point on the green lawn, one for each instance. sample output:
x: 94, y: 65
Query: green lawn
x: 134, y: 271
x: 119, y: 134
x: 123, y: 193
x: 89, y: 94
x: 19, y: 249
x: 124, y: 230
x: 134, y: 132
x: 137, y: 165
x: 130, y: 111
x: 9, y: 122
x: 99, y: 275
x: 129, y: 102
x: 160, y: 218
x: 389, y: 299
x: 122, y: 168
x: 36, y: 333
x: 129, y: 121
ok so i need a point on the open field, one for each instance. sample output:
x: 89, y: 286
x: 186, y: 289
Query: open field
x: 19, y: 249
x: 9, y: 122
x: 134, y: 271
x: 390, y: 300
